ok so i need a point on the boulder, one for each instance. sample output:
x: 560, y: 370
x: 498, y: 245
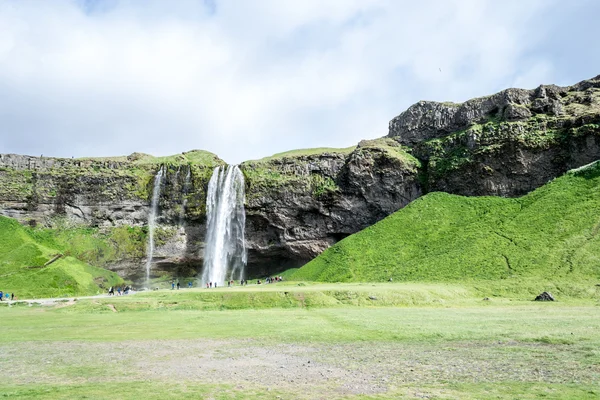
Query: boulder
x: 545, y: 296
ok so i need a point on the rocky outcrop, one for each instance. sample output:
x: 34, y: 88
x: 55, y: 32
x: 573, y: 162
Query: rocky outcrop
x: 506, y: 144
x: 298, y: 206
x: 299, y: 203
x: 544, y: 296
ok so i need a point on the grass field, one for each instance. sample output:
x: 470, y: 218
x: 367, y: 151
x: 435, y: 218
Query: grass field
x: 551, y: 233
x: 301, y: 341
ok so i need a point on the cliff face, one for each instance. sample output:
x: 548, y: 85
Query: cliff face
x: 301, y: 202
x: 106, y: 195
x: 506, y: 144
x: 298, y: 206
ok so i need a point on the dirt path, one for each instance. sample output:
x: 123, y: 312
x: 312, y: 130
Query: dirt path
x: 52, y: 301
x: 309, y: 370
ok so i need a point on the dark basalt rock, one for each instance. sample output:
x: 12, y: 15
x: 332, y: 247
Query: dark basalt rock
x: 544, y: 296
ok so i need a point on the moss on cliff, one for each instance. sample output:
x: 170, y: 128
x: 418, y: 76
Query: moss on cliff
x: 315, y: 171
x: 299, y: 171
x: 393, y: 150
x: 15, y: 185
x: 305, y: 152
x: 198, y: 158
x: 538, y: 133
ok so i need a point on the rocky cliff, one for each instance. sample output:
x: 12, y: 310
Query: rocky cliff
x: 506, y: 144
x: 296, y: 205
x: 299, y: 203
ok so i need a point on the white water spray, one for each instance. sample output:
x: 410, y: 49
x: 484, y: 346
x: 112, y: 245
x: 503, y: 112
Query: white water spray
x: 152, y: 220
x: 225, y: 253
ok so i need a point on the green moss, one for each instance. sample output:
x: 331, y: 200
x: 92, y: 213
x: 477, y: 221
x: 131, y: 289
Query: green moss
x: 393, y: 150
x: 15, y: 185
x: 323, y: 185
x: 461, y: 148
x: 587, y: 129
x: 199, y: 158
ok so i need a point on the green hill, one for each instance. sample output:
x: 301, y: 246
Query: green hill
x: 551, y: 233
x: 32, y: 265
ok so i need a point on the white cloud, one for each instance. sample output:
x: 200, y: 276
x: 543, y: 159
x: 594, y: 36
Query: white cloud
x: 249, y: 78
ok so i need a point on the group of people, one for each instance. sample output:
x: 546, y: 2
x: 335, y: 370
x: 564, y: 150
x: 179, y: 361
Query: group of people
x: 176, y: 284
x: 270, y: 279
x: 120, y: 291
x: 173, y: 284
x: 6, y: 296
x: 210, y: 285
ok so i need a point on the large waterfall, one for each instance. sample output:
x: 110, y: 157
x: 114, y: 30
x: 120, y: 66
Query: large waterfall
x: 225, y: 253
x: 152, y: 221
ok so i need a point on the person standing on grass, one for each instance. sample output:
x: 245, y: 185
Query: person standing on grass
x: 178, y: 286
x: 172, y: 285
x: 189, y: 284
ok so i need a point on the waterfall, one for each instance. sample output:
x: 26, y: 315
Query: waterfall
x: 186, y: 189
x: 152, y: 220
x: 225, y: 253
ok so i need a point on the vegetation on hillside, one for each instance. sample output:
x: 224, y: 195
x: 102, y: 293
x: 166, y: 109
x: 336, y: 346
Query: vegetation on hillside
x: 551, y: 233
x: 392, y: 149
x: 305, y: 152
x: 290, y: 172
x: 541, y: 131
x: 306, y: 170
x: 35, y: 263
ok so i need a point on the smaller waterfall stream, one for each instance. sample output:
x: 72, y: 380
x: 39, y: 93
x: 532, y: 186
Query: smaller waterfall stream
x: 186, y: 189
x: 152, y: 221
x: 225, y: 254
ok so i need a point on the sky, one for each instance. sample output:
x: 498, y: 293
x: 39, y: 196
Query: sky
x: 245, y: 79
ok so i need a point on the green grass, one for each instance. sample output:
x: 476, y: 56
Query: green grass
x: 393, y: 150
x: 305, y: 152
x: 23, y: 269
x: 463, y: 348
x: 196, y: 157
x: 314, y: 296
x: 99, y: 247
x: 549, y: 234
x: 199, y: 157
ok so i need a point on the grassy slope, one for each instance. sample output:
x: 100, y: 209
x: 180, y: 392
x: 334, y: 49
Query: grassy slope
x: 199, y: 157
x: 22, y: 271
x: 305, y: 152
x: 549, y: 233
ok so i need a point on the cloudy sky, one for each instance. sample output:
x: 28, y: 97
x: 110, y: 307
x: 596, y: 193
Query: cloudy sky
x: 249, y: 78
